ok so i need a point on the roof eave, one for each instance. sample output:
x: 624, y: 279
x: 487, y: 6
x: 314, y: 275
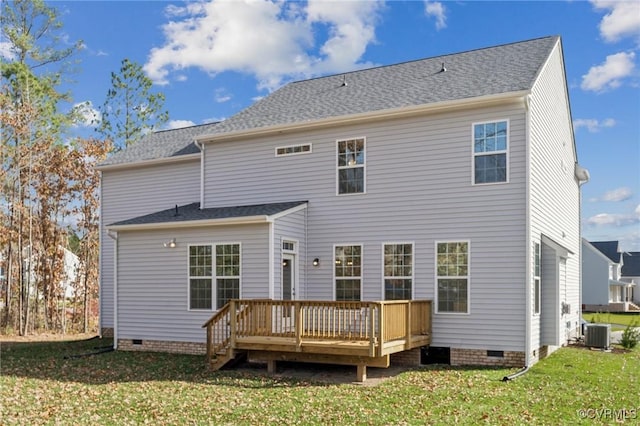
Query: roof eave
x: 245, y: 220
x: 365, y: 117
x: 151, y: 162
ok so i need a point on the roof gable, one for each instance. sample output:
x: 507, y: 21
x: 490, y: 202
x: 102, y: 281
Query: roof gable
x: 631, y: 266
x: 609, y: 249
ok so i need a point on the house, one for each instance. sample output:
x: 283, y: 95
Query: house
x: 630, y: 273
x: 451, y: 182
x: 603, y: 289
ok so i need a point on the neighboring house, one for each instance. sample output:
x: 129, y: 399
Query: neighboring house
x: 631, y: 274
x: 453, y: 179
x: 603, y: 289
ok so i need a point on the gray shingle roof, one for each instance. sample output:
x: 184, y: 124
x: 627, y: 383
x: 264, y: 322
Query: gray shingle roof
x: 161, y: 144
x: 495, y: 70
x: 192, y: 212
x: 631, y: 266
x: 489, y: 71
x: 609, y: 249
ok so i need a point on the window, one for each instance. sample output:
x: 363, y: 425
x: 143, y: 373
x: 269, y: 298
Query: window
x: 536, y: 278
x: 398, y: 271
x: 452, y: 276
x: 351, y: 161
x: 292, y: 150
x: 490, y: 152
x: 348, y: 272
x: 202, y: 279
x: 227, y: 273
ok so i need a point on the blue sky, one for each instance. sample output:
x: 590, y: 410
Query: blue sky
x: 211, y: 59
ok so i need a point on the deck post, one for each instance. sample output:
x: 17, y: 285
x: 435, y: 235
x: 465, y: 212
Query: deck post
x: 271, y: 366
x: 381, y: 328
x: 209, y: 343
x: 408, y: 326
x: 361, y: 372
x: 299, y: 324
x: 233, y: 323
x: 372, y: 331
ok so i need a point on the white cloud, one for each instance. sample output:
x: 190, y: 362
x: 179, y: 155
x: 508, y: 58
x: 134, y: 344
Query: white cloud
x: 87, y: 115
x: 593, y: 125
x: 609, y: 74
x: 271, y: 40
x: 604, y: 219
x: 619, y: 194
x: 178, y: 124
x: 221, y: 96
x: 7, y: 51
x: 438, y: 11
x: 623, y: 19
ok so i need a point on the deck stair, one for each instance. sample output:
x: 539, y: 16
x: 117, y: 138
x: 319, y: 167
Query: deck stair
x: 353, y: 333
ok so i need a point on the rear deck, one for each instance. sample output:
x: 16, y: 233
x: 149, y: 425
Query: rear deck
x: 353, y: 333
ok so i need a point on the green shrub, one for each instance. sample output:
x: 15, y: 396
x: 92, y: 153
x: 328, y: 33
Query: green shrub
x: 630, y: 335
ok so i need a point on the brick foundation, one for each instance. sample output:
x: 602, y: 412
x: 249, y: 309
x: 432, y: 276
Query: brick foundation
x: 191, y: 348
x: 410, y: 358
x: 480, y: 357
x: 106, y: 332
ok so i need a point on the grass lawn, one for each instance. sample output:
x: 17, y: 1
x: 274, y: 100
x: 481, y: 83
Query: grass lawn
x: 41, y: 384
x: 612, y: 318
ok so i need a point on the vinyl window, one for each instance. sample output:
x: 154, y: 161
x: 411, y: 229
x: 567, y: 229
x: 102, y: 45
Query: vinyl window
x: 351, y: 166
x: 348, y: 272
x: 452, y: 276
x: 398, y: 271
x: 490, y: 142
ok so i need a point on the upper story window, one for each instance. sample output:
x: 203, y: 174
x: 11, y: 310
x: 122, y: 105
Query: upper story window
x: 348, y: 272
x: 490, y: 142
x: 351, y: 164
x: 293, y: 150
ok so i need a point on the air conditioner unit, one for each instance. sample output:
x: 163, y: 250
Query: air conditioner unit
x: 597, y: 335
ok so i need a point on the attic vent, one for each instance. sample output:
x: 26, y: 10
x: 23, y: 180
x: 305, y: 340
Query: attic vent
x: 443, y: 69
x: 344, y: 81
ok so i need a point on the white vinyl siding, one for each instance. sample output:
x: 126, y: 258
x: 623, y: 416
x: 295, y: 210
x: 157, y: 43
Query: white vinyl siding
x: 418, y: 189
x: 128, y: 193
x: 554, y: 205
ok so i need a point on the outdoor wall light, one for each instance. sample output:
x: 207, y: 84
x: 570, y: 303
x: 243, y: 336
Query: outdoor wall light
x: 316, y: 262
x: 171, y: 243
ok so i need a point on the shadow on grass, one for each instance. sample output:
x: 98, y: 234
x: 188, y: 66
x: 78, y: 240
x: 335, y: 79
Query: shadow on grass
x: 73, y: 361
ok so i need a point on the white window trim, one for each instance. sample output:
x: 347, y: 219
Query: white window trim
x: 293, y: 153
x: 537, y: 277
x: 364, y: 167
x: 189, y: 277
x: 436, y: 276
x: 333, y: 267
x: 213, y: 276
x: 413, y: 266
x: 506, y: 152
x: 214, y: 294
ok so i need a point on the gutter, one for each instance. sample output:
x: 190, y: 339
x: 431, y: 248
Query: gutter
x: 151, y: 162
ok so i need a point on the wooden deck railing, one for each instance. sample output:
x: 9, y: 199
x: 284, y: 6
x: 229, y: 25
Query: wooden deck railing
x: 372, y: 324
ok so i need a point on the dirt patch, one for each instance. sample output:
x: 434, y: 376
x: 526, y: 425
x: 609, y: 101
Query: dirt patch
x: 44, y: 337
x: 323, y: 373
x: 613, y: 349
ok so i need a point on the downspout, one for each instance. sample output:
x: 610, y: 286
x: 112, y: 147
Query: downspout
x: 100, y: 296
x: 114, y: 237
x: 271, y: 260
x: 527, y: 284
x: 200, y: 145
